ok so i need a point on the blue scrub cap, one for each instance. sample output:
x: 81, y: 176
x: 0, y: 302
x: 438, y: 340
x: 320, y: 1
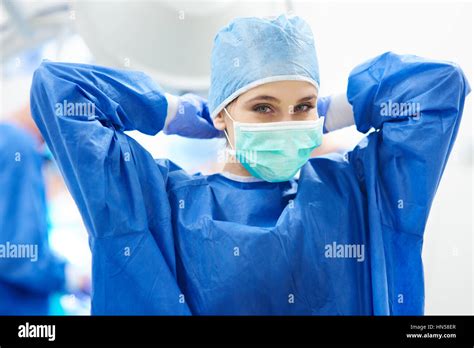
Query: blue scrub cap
x: 252, y: 51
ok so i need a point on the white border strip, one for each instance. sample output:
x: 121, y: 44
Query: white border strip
x: 291, y: 125
x: 261, y: 82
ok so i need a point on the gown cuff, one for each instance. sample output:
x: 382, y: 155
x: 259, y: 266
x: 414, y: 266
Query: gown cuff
x: 339, y: 114
x: 173, y: 103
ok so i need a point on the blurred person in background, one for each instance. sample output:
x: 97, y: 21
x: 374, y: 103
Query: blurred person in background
x: 29, y: 270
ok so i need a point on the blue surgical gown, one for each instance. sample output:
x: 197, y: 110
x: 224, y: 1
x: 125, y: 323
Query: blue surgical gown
x: 25, y: 283
x: 167, y: 242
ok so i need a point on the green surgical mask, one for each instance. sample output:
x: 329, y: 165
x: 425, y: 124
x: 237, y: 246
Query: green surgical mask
x: 275, y: 151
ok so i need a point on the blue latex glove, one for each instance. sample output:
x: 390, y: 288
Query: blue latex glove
x: 323, y: 105
x: 192, y: 119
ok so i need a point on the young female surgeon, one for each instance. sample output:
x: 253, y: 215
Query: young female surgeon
x: 277, y: 232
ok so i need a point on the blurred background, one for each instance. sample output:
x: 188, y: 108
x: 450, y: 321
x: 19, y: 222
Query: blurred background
x: 172, y: 40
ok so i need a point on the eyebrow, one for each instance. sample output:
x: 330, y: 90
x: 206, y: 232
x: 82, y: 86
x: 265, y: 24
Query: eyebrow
x: 276, y: 100
x: 309, y: 97
x: 263, y: 97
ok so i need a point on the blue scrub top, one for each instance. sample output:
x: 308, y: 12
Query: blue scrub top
x: 27, y: 282
x: 166, y: 242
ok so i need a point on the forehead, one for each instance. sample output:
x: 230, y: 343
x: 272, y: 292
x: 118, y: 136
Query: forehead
x: 282, y: 90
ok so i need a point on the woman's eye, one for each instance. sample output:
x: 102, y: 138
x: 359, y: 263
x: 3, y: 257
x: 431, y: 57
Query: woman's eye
x: 303, y: 108
x: 264, y: 109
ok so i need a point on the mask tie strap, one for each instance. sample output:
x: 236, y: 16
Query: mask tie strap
x: 225, y: 132
x: 227, y: 112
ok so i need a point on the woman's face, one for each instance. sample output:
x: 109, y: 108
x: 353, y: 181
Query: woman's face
x: 272, y: 102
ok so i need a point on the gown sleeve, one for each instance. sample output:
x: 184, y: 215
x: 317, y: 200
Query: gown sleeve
x: 82, y: 111
x: 414, y: 106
